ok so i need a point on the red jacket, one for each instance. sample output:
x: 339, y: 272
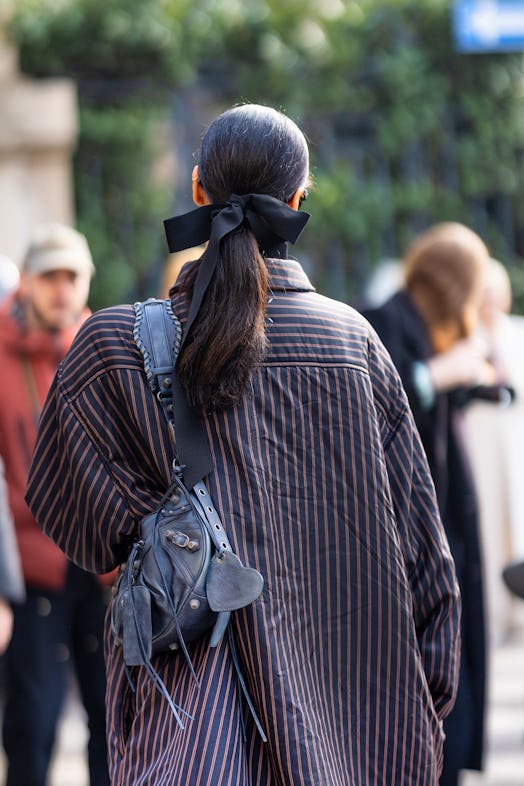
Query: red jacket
x: 28, y: 362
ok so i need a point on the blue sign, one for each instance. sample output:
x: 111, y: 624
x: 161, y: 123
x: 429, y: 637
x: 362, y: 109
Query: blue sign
x: 488, y: 25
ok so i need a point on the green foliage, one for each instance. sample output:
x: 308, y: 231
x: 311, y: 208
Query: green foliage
x: 99, y: 39
x: 404, y: 131
x: 119, y: 203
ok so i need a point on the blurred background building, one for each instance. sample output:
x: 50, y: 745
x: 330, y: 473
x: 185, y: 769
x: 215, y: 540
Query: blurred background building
x: 38, y: 132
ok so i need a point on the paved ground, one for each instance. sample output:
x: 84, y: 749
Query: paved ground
x: 505, y: 759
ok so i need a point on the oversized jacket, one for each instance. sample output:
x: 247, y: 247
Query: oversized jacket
x: 351, y: 652
x: 441, y: 429
x: 28, y: 362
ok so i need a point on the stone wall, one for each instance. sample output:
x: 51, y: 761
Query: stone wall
x: 38, y: 132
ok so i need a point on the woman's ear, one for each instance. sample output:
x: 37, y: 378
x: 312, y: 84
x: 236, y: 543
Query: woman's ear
x: 297, y: 198
x: 199, y: 195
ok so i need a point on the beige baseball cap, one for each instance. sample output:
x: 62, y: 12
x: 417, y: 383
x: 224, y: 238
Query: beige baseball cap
x: 58, y: 247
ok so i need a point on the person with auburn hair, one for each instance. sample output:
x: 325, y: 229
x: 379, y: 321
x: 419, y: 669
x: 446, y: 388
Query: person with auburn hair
x: 429, y: 329
x: 350, y: 654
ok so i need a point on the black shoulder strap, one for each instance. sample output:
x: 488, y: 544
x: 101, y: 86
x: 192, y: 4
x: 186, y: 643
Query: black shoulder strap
x: 157, y: 333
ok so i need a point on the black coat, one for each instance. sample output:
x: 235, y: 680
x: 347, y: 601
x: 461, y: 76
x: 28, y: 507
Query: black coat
x: 402, y: 330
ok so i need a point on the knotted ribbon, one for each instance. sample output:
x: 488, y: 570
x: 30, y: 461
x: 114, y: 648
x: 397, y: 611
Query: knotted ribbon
x: 271, y: 221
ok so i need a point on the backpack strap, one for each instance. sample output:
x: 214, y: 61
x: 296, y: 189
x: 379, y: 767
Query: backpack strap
x: 157, y: 333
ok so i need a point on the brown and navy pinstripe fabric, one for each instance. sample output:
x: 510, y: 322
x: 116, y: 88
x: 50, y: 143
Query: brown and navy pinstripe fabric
x: 350, y: 653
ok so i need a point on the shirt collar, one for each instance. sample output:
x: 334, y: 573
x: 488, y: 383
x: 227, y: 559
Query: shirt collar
x: 288, y: 275
x: 285, y: 275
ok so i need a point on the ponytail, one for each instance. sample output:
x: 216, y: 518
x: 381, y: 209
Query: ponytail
x: 252, y: 161
x: 227, y: 337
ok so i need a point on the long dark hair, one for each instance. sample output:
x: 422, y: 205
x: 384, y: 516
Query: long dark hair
x: 249, y: 149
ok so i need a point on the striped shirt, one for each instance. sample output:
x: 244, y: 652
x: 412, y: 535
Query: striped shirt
x: 351, y: 652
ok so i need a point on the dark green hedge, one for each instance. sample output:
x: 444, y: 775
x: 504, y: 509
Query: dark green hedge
x: 404, y: 131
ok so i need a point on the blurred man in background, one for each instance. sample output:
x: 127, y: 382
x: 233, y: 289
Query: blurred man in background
x: 11, y: 581
x: 9, y: 276
x: 61, y: 618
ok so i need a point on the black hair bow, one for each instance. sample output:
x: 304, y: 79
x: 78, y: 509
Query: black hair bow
x: 271, y: 221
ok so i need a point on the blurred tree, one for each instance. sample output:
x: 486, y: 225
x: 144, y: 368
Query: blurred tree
x: 404, y: 131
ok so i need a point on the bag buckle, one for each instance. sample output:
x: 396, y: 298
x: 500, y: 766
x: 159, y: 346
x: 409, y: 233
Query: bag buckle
x: 181, y: 540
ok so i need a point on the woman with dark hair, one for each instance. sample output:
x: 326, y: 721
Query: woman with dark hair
x: 350, y: 653
x: 429, y: 329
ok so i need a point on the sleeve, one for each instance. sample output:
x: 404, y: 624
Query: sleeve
x: 11, y: 578
x: 71, y: 492
x: 429, y: 565
x: 410, y: 362
x: 103, y: 452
